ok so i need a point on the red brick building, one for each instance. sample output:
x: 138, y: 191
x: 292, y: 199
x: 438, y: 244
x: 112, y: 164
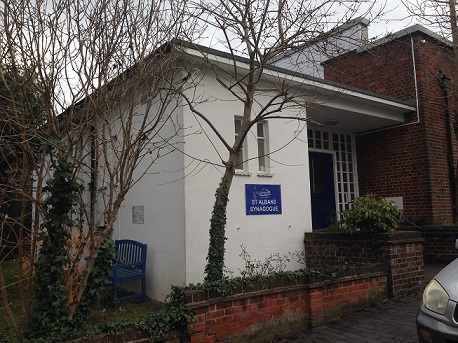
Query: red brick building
x: 408, y: 161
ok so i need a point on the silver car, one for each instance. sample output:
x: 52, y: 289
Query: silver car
x: 437, y: 320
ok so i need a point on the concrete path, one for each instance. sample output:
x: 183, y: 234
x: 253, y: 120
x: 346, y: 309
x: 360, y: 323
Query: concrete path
x: 390, y: 322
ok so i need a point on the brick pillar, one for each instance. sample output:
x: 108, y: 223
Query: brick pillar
x: 403, y: 255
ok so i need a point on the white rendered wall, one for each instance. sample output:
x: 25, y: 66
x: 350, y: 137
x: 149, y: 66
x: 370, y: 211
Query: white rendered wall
x: 161, y: 193
x: 262, y: 235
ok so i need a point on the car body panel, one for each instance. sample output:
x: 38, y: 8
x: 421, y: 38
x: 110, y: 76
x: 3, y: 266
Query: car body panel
x: 437, y: 328
x: 440, y: 332
x: 448, y: 278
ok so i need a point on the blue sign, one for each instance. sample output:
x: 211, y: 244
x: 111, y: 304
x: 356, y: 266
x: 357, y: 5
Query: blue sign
x: 263, y: 199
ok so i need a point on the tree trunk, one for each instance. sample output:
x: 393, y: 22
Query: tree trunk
x: 22, y: 284
x: 216, y: 250
x: 82, y: 286
x: 6, y: 305
x: 99, y: 239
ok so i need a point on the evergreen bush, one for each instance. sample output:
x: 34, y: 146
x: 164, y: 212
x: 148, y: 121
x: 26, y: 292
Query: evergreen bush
x: 369, y: 214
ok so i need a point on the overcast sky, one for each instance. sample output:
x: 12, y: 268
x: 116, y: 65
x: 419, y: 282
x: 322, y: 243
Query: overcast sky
x: 395, y: 19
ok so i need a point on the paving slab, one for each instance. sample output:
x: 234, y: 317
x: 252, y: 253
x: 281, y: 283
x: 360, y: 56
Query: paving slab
x: 392, y: 321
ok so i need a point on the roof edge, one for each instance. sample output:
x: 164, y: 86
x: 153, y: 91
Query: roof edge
x: 274, y: 68
x: 402, y: 33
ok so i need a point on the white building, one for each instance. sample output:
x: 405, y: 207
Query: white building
x: 310, y: 171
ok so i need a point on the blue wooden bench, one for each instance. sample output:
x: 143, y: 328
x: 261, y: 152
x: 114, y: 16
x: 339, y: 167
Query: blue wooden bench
x: 130, y: 265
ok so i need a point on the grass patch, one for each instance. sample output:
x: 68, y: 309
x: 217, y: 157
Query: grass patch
x: 127, y: 311
x: 10, y: 272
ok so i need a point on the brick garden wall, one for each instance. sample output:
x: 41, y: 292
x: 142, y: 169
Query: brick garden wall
x: 408, y: 161
x: 439, y: 246
x: 257, y: 311
x: 401, y: 252
x: 284, y: 306
x: 260, y: 311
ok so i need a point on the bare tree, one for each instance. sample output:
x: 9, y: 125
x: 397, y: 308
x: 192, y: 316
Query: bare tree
x: 261, y: 31
x: 107, y: 84
x: 20, y: 117
x: 434, y: 14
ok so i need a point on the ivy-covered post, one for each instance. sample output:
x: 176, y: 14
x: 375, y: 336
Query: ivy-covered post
x: 215, y: 258
x: 49, y: 316
x: 216, y: 250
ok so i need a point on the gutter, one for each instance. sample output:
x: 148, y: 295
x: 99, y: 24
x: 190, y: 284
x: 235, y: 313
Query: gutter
x: 444, y: 83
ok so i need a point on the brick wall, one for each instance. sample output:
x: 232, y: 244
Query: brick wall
x: 284, y: 306
x: 335, y: 299
x: 409, y: 161
x: 329, y: 249
x: 249, y: 316
x: 260, y: 310
x: 401, y: 252
x: 439, y: 246
x: 404, y: 259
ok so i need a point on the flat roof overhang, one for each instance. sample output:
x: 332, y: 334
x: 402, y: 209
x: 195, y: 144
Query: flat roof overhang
x: 351, y: 110
x: 358, y: 112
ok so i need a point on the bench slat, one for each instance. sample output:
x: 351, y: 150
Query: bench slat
x: 130, y: 265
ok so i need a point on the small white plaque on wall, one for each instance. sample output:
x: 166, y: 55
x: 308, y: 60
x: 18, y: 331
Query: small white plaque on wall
x: 397, y: 200
x: 138, y: 214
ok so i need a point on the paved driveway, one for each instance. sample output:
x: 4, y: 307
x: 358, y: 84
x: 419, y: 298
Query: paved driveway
x: 391, y: 321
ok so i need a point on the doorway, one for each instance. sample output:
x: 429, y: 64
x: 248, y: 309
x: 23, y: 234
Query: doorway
x: 322, y: 189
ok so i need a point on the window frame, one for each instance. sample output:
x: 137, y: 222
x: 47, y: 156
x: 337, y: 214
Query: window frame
x: 241, y: 167
x: 263, y: 140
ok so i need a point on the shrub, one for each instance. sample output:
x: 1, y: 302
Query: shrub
x: 370, y: 215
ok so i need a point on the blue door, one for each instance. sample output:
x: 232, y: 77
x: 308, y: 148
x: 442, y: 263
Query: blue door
x: 322, y: 189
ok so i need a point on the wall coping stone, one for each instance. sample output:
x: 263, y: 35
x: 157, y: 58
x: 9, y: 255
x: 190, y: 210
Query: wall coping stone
x: 397, y: 236
x: 208, y: 297
x: 347, y: 278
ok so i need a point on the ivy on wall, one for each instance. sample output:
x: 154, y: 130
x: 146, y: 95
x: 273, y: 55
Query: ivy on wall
x: 63, y: 212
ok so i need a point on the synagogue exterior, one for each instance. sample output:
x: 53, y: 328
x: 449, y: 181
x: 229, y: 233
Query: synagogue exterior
x: 307, y: 173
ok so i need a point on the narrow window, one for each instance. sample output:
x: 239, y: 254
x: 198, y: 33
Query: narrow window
x: 263, y: 150
x: 239, y: 164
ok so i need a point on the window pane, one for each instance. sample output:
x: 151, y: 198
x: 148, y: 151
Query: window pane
x: 240, y: 158
x: 260, y: 130
x: 262, y: 145
x: 261, y: 154
x: 262, y: 163
x: 239, y: 161
x: 238, y: 124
